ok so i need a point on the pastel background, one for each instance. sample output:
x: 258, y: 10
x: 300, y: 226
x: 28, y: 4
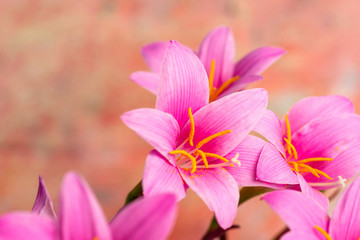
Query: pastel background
x: 64, y: 82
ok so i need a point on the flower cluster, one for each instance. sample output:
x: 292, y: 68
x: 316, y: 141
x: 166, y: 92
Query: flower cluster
x: 211, y: 135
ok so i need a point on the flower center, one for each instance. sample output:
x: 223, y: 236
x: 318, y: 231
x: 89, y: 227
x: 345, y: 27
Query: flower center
x: 215, y: 92
x: 195, y: 157
x: 323, y: 232
x: 301, y: 166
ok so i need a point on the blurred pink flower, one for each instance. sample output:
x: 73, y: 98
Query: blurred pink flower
x: 81, y: 217
x: 316, y: 144
x: 217, y: 53
x: 192, y: 150
x: 316, y: 140
x: 307, y: 220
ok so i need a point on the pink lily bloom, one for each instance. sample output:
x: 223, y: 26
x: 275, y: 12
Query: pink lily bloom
x: 81, y: 217
x: 317, y: 143
x: 217, y: 53
x: 194, y: 141
x: 308, y: 220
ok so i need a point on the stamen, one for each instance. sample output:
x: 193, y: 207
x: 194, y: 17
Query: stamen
x: 191, y: 157
x: 296, y: 166
x: 216, y: 165
x: 203, y: 157
x: 288, y: 132
x: 323, y: 174
x: 223, y: 87
x: 314, y: 160
x: 289, y: 144
x: 216, y: 156
x: 310, y: 169
x: 206, y: 140
x: 211, y: 76
x: 192, y: 128
x: 323, y: 232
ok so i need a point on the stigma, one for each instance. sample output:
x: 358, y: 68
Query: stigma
x: 197, y: 158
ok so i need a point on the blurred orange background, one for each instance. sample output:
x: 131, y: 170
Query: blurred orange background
x: 64, y: 82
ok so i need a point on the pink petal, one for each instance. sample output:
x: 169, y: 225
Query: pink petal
x: 312, y: 108
x: 257, y: 61
x: 326, y: 137
x: 240, y: 84
x: 346, y: 217
x: 317, y: 196
x: 218, y: 189
x: 156, y: 127
x: 298, y: 211
x: 298, y: 236
x: 238, y: 112
x: 346, y: 164
x: 272, y: 167
x: 147, y: 80
x: 249, y: 151
x: 153, y: 54
x: 183, y: 83
x: 218, y: 45
x: 149, y: 218
x: 270, y: 127
x: 80, y: 214
x: 43, y: 204
x: 27, y: 226
x: 162, y: 177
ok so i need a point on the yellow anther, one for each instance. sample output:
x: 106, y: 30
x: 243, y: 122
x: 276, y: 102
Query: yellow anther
x: 192, y: 128
x: 96, y: 238
x: 307, y: 168
x: 224, y: 86
x: 211, y: 75
x: 307, y: 160
x: 323, y: 174
x: 215, y: 156
x: 296, y: 166
x: 293, y: 150
x: 191, y: 157
x: 323, y: 232
x: 288, y: 133
x: 206, y: 140
x: 203, y: 157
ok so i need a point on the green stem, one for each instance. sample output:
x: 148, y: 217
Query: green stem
x: 135, y: 193
x: 246, y: 193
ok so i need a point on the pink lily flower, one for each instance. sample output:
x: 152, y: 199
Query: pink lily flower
x: 81, y: 217
x: 317, y: 143
x: 308, y: 220
x: 217, y: 53
x: 194, y: 141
